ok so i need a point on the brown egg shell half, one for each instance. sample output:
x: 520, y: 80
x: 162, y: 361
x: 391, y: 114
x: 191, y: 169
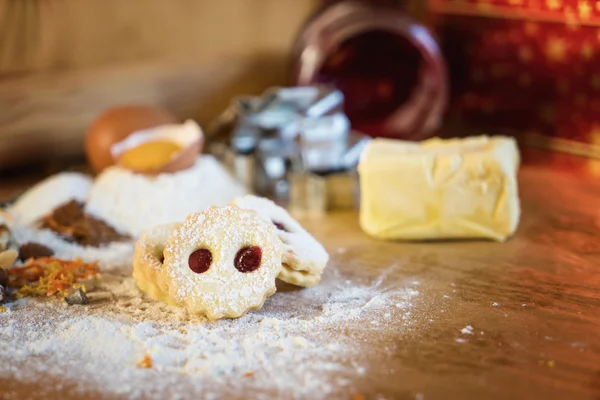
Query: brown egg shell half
x: 117, y: 123
x: 182, y: 160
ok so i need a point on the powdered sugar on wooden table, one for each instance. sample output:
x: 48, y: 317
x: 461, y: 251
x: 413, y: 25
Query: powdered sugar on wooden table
x: 304, y: 343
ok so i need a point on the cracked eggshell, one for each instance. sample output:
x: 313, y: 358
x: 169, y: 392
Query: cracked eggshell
x: 116, y: 124
x: 187, y: 136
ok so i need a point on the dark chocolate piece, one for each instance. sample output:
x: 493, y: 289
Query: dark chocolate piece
x: 34, y: 250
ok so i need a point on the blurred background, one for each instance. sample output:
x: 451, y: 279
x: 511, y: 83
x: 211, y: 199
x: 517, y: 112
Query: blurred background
x: 528, y: 68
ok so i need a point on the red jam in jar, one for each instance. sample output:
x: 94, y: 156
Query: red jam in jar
x: 388, y: 66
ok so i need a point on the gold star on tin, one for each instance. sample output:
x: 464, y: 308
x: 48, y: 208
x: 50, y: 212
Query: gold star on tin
x: 484, y: 6
x: 525, y: 54
x: 556, y: 49
x: 593, y: 166
x: 585, y: 9
x: 531, y: 28
x: 571, y: 19
x: 553, y: 4
x: 587, y: 51
x: 595, y: 134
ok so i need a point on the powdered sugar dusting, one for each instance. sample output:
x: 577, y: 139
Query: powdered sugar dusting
x: 302, y: 252
x: 222, y: 290
x: 292, y: 348
x: 133, y: 202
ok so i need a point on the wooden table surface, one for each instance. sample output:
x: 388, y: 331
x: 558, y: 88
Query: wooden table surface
x: 536, y: 298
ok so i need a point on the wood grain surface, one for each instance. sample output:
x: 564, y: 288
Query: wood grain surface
x: 45, y: 116
x: 61, y: 35
x: 533, y: 303
x: 62, y: 62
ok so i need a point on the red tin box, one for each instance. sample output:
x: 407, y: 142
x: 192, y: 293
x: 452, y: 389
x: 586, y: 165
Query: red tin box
x: 526, y: 67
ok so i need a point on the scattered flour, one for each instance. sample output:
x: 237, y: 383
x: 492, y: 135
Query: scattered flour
x: 115, y: 256
x: 467, y: 330
x: 300, y: 345
x: 132, y: 202
x: 128, y: 201
x: 48, y: 194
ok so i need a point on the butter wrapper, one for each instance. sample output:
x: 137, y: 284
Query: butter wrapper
x: 440, y: 189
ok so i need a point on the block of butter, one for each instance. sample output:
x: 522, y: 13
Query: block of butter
x: 440, y: 189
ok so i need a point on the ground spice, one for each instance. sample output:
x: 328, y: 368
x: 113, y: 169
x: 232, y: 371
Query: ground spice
x: 146, y: 362
x: 73, y: 224
x: 48, y: 276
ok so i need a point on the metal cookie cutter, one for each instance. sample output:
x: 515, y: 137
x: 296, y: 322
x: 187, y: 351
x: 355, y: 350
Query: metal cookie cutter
x: 294, y: 145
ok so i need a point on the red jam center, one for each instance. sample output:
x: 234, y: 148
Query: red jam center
x: 200, y: 260
x: 248, y: 259
x: 280, y: 226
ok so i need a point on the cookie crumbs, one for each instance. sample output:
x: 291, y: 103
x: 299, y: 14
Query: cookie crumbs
x: 248, y: 374
x: 358, y: 396
x: 146, y: 363
x: 3, y: 309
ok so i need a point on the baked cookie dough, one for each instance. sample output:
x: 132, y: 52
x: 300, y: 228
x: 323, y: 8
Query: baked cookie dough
x: 148, y: 261
x: 304, y: 258
x: 221, y: 262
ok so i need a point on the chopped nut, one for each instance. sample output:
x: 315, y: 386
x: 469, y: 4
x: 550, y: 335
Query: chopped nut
x: 248, y: 374
x: 5, y: 237
x: 8, y: 258
x: 2, y: 309
x: 34, y: 250
x: 76, y: 296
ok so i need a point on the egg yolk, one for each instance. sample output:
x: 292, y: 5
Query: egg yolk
x: 149, y: 156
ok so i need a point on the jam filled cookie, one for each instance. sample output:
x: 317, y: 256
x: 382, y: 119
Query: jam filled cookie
x: 222, y: 262
x: 304, y: 258
x: 148, y: 261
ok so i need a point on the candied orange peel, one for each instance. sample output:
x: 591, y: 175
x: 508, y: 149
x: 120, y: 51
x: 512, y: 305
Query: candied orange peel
x: 47, y: 276
x: 146, y: 363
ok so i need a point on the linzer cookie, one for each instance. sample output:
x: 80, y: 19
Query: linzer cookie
x: 148, y: 261
x: 304, y: 258
x: 222, y: 262
x: 298, y: 278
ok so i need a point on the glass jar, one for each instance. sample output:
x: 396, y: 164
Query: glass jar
x: 388, y: 66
